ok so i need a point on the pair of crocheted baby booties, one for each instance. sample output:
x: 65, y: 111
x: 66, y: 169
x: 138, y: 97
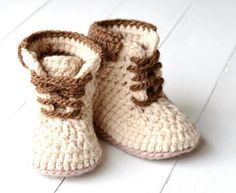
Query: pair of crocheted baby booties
x: 108, y: 84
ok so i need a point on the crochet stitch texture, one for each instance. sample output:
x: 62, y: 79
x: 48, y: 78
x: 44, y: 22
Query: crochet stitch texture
x: 131, y: 109
x: 63, y: 67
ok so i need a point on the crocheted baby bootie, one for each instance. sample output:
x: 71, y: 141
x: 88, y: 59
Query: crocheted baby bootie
x: 131, y: 109
x: 62, y: 67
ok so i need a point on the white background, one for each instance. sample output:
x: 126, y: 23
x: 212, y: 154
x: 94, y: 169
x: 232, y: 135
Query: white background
x: 199, y: 65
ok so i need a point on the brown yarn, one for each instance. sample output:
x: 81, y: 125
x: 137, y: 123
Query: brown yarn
x: 111, y: 45
x: 126, y: 22
x: 64, y: 92
x: 145, y: 73
x: 27, y: 42
x: 109, y: 41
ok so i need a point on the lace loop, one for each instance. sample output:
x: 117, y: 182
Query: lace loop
x: 145, y: 73
x: 64, y: 92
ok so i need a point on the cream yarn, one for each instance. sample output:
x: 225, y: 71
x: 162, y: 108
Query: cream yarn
x: 63, y: 146
x: 157, y: 131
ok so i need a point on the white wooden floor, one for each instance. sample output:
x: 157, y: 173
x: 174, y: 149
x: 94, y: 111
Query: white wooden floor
x: 198, y: 52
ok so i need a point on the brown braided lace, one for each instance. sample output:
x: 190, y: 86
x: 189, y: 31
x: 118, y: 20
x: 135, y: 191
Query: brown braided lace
x: 64, y: 92
x: 145, y: 73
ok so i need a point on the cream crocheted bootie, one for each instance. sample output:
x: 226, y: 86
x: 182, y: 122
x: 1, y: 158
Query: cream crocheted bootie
x: 131, y: 110
x: 62, y: 67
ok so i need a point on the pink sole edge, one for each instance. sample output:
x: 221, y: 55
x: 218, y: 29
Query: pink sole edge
x: 143, y: 154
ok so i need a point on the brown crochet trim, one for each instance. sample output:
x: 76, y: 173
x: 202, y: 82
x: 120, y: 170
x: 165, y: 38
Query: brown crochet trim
x: 27, y: 42
x: 145, y: 73
x: 109, y: 41
x: 125, y: 23
x: 64, y: 92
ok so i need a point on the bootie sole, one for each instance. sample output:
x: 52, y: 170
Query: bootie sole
x: 59, y: 173
x: 144, y: 154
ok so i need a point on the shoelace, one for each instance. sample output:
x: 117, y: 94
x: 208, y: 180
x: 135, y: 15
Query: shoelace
x: 64, y: 92
x: 145, y: 70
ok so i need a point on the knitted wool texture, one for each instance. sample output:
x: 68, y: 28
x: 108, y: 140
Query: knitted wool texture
x: 156, y: 131
x: 63, y: 146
